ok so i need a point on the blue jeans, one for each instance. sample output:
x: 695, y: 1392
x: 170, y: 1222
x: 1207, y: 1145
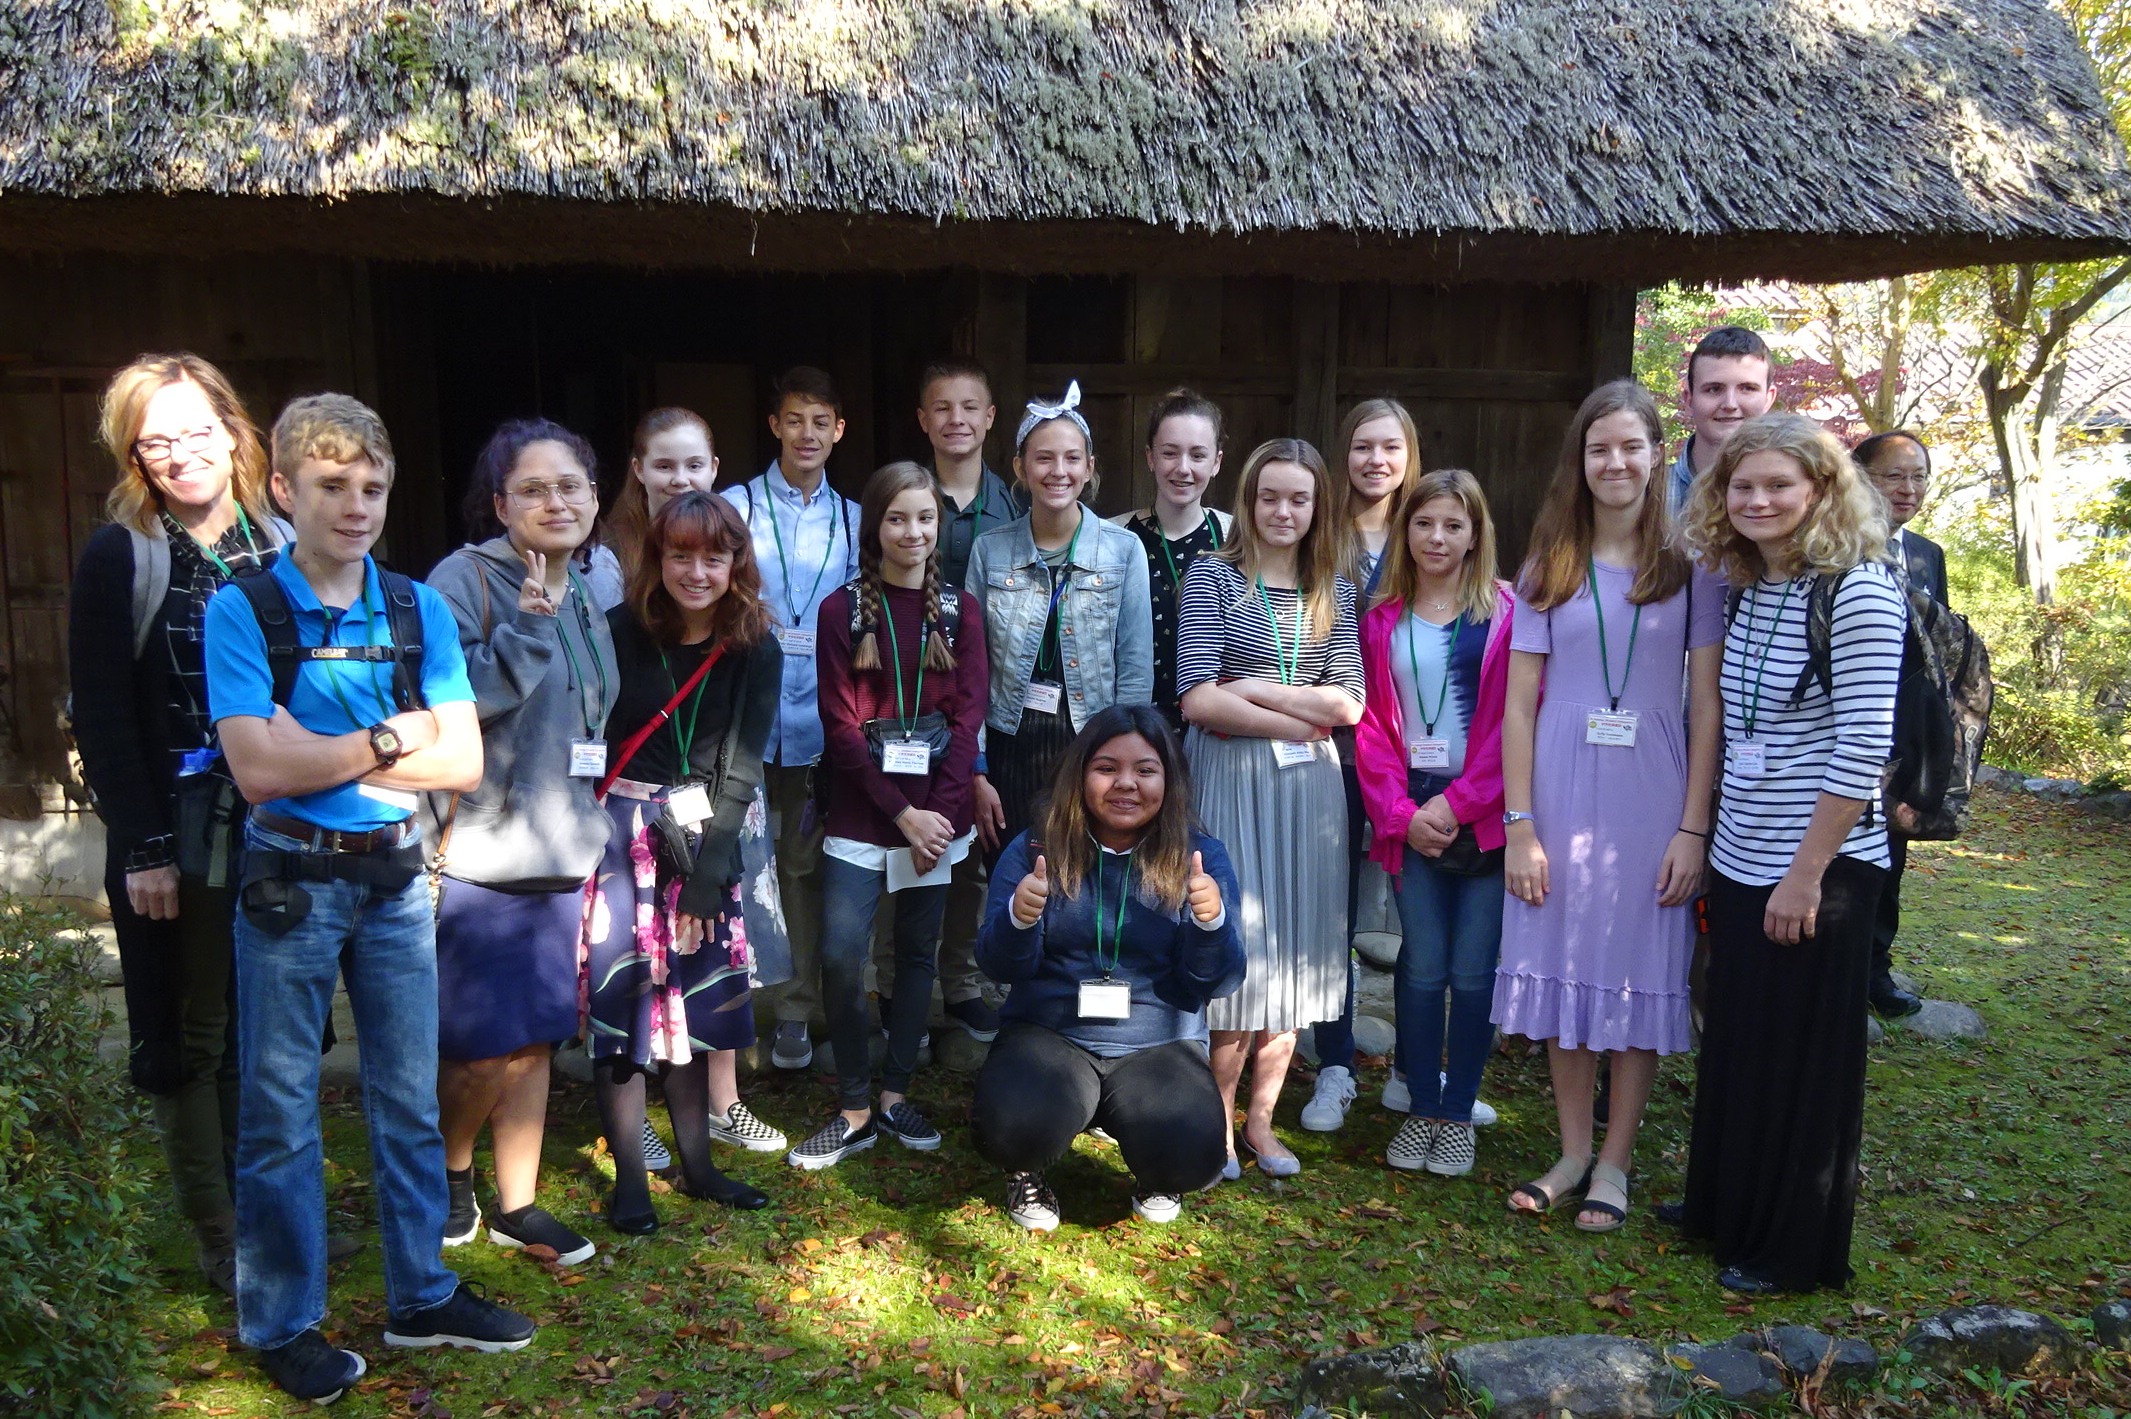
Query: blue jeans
x: 386, y: 944
x: 850, y: 895
x: 1453, y: 937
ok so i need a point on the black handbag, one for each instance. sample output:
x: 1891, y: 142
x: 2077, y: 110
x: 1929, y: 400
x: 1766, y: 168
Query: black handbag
x: 209, y: 814
x: 931, y: 730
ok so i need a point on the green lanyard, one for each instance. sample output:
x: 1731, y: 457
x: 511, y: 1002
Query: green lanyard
x: 584, y: 622
x: 906, y: 715
x: 1176, y: 578
x: 685, y: 740
x: 1108, y: 966
x: 1061, y: 578
x: 1750, y: 712
x: 784, y: 570
x: 251, y: 545
x: 1413, y: 663
x: 332, y: 669
x: 1605, y: 660
x: 1289, y: 668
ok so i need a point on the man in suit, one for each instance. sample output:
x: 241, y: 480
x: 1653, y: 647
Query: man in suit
x: 1899, y: 466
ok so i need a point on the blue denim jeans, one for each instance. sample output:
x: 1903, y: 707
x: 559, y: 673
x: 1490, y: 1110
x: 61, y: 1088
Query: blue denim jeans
x: 850, y: 896
x: 386, y: 944
x: 1453, y: 937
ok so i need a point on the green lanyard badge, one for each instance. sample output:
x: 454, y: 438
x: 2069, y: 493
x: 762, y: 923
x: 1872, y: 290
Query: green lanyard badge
x: 1750, y: 712
x: 684, y: 740
x: 251, y: 545
x: 1413, y: 663
x: 586, y: 708
x: 1108, y: 964
x: 1289, y: 667
x: 783, y: 569
x: 1176, y: 578
x: 906, y: 713
x: 333, y: 668
x: 1061, y: 578
x: 1605, y: 660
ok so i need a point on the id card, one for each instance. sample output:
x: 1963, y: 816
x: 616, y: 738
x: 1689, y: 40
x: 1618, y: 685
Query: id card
x: 1616, y: 730
x: 588, y: 758
x: 906, y: 756
x: 1105, y: 1000
x: 690, y: 805
x: 1433, y: 753
x: 1749, y: 759
x: 795, y: 641
x: 1287, y: 753
x: 1042, y: 698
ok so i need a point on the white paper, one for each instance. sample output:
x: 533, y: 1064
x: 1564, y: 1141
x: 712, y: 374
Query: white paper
x: 588, y: 758
x: 903, y: 870
x: 1105, y: 1000
x: 796, y: 642
x: 1042, y: 698
x: 1749, y: 759
x: 906, y: 756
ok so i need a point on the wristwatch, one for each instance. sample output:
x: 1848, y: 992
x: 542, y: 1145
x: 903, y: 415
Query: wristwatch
x: 385, y: 743
x: 1513, y: 816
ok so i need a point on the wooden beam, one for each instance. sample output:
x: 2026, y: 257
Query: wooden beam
x: 1316, y: 377
x: 1002, y: 347
x: 1212, y: 380
x: 1611, y: 327
x: 1512, y: 386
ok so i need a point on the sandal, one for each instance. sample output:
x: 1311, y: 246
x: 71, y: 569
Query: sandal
x: 1616, y: 1213
x: 1550, y: 1201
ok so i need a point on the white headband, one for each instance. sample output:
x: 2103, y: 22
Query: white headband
x: 1042, y: 413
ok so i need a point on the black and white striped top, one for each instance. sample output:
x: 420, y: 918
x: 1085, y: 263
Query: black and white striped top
x: 1223, y: 633
x: 1835, y: 744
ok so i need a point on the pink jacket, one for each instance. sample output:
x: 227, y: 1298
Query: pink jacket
x: 1475, y: 795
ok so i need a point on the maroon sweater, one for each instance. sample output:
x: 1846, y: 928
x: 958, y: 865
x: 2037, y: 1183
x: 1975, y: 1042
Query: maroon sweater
x: 863, y: 802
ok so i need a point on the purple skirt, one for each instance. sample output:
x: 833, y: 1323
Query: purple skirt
x: 506, y: 969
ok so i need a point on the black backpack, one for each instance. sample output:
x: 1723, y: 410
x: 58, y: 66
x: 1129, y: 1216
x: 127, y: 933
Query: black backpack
x: 285, y: 656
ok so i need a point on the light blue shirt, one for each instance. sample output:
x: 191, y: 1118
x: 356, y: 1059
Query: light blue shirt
x: 1683, y: 475
x: 806, y: 548
x: 1416, y: 643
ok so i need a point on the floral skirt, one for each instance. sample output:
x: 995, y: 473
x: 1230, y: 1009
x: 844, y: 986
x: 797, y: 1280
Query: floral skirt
x: 644, y: 997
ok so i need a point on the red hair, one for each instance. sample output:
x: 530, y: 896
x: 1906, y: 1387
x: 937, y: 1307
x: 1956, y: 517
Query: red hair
x: 686, y: 523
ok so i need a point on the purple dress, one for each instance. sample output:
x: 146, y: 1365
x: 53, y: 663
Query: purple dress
x: 1601, y: 965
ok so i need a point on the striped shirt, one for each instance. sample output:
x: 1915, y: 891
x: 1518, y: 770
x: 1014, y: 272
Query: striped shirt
x: 1223, y: 633
x: 1836, y: 744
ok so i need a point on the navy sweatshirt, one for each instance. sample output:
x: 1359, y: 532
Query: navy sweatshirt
x: 1173, y: 964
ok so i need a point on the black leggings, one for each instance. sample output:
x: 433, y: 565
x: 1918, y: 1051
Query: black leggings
x: 1038, y: 1090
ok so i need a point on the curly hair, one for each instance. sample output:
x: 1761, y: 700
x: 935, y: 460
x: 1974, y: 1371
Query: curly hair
x: 888, y: 483
x: 1845, y: 526
x: 690, y: 521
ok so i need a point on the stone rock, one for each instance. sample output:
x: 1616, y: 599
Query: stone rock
x: 1874, y: 1030
x: 1590, y: 1376
x: 1906, y: 982
x: 1306, y: 1046
x: 1378, y: 948
x: 1373, y: 1034
x: 1991, y: 776
x: 1735, y: 1372
x: 574, y: 1063
x: 1802, y: 1350
x: 2001, y: 1338
x: 1403, y: 1381
x: 2062, y: 790
x: 2110, y: 805
x: 956, y: 1049
x: 1944, y: 1020
x: 2112, y: 1325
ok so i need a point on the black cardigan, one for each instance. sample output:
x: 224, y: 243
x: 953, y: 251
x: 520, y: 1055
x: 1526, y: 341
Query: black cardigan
x: 121, y: 705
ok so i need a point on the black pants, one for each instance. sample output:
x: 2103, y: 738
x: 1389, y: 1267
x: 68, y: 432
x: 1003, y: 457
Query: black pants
x: 1779, y: 1104
x: 1038, y: 1090
x: 1889, y: 920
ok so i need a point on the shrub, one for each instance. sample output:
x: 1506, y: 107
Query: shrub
x: 70, y: 1341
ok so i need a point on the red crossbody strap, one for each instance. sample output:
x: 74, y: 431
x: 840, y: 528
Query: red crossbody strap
x: 636, y: 740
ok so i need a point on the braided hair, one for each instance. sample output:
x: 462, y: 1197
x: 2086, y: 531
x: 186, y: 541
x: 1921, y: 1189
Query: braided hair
x: 886, y: 485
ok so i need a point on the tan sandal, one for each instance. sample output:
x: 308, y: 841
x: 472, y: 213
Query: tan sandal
x: 1616, y: 1213
x: 1550, y: 1201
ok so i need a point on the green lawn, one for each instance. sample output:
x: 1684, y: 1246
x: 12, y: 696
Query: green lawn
x: 894, y: 1284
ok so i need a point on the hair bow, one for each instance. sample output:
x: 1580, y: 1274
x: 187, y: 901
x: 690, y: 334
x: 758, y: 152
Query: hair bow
x: 1042, y: 413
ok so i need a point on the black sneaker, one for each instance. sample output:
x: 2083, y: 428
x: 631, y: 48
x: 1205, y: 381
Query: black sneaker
x: 1031, y: 1203
x: 902, y: 1122
x: 832, y: 1143
x: 463, y: 1222
x: 308, y: 1367
x: 468, y: 1320
x: 978, y: 1017
x: 534, y: 1227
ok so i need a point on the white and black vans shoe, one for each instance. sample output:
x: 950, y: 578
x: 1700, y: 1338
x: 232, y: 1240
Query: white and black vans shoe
x: 1411, y: 1144
x: 740, y: 1128
x: 902, y: 1122
x: 1031, y: 1203
x: 830, y: 1144
x: 656, y: 1158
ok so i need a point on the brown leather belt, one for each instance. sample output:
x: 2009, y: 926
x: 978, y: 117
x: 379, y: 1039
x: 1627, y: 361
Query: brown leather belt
x: 333, y: 840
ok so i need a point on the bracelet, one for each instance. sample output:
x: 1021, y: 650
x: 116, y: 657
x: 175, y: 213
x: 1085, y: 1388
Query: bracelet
x: 1693, y: 834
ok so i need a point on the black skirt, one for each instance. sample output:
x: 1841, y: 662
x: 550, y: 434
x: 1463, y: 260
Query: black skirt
x: 1779, y: 1103
x: 1020, y: 766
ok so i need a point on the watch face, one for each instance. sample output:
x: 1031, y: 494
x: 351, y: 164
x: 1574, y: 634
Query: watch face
x: 385, y: 741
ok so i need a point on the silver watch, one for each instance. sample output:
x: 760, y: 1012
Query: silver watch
x: 1513, y: 816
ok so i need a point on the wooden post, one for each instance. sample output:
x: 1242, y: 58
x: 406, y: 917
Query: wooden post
x: 1610, y: 329
x: 1316, y: 361
x: 1002, y: 346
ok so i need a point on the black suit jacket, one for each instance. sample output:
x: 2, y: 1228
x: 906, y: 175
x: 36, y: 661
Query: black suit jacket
x: 1926, y: 562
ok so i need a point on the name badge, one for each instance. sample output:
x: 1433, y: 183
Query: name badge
x: 588, y: 758
x: 1428, y: 754
x: 796, y: 641
x: 1287, y: 753
x: 1042, y: 698
x: 690, y: 805
x: 1617, y: 730
x: 398, y: 798
x: 1749, y: 759
x: 906, y: 756
x: 1105, y: 1000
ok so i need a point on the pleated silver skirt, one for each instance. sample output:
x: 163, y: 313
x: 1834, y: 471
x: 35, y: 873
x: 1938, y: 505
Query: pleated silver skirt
x: 1286, y: 833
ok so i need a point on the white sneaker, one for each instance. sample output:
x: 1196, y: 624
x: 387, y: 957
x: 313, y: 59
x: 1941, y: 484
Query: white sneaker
x: 1158, y: 1207
x: 1031, y: 1203
x: 1327, y: 1108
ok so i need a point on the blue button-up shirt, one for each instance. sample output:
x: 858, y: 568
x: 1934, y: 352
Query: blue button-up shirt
x: 806, y: 547
x: 329, y: 696
x: 1683, y: 475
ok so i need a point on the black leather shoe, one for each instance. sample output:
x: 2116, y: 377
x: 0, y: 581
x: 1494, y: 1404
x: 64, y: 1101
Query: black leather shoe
x: 1747, y: 1283
x: 727, y: 1190
x: 1672, y: 1214
x: 1891, y: 1002
x: 632, y: 1224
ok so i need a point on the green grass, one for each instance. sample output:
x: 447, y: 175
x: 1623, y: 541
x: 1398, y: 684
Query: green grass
x: 894, y: 1285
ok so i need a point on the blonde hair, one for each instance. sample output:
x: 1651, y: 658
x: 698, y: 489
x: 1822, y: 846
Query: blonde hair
x: 1366, y: 412
x: 1316, y: 556
x: 1401, y: 581
x: 331, y: 428
x: 1845, y: 526
x: 134, y: 499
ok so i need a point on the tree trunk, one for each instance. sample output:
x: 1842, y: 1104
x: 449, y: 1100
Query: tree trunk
x: 2024, y: 430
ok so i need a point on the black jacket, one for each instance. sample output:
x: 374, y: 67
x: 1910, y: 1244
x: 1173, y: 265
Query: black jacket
x: 1925, y: 561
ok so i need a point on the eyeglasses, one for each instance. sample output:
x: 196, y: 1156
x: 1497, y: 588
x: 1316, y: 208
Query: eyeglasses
x: 160, y: 450
x: 570, y: 490
x: 1901, y: 480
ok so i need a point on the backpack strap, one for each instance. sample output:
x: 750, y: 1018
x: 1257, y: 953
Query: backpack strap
x: 270, y: 608
x: 151, y: 582
x: 950, y: 613
x: 1819, y: 637
x: 286, y: 654
x: 405, y: 617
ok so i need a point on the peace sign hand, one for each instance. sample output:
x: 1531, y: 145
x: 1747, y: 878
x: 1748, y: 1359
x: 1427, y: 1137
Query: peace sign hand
x: 533, y: 591
x: 1203, y: 892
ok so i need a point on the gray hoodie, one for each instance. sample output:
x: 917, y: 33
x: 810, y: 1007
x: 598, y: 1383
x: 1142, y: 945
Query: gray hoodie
x: 530, y: 823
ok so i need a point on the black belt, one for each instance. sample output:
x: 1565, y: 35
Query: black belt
x: 382, y: 839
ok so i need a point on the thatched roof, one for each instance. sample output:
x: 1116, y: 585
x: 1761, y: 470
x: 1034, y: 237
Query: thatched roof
x: 1620, y: 138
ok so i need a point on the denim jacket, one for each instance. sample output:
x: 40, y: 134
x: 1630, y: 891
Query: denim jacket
x: 1106, y: 620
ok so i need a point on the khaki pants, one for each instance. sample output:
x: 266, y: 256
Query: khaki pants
x: 799, y: 881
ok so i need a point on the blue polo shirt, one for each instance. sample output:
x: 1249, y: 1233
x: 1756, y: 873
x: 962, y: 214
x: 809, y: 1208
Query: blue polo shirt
x: 329, y: 696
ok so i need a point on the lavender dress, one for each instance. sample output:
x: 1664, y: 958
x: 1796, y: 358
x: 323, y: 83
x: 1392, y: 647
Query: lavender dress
x: 1601, y: 965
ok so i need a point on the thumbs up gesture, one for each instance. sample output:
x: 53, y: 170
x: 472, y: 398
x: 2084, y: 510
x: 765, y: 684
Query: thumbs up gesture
x: 1034, y: 890
x: 1202, y: 891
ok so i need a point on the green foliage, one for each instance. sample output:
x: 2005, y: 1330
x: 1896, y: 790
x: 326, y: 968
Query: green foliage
x: 1668, y: 321
x: 70, y: 1340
